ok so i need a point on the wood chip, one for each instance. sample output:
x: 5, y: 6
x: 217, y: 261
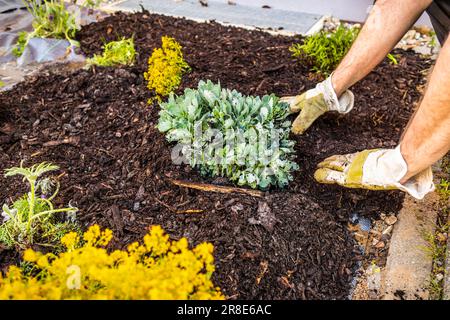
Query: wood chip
x: 390, y: 220
x: 214, y: 188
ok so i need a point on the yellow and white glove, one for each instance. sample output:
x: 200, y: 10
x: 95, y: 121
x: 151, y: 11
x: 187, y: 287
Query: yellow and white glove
x: 377, y: 169
x: 315, y: 102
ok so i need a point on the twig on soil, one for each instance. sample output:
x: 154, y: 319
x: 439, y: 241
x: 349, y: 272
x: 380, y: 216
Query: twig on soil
x: 71, y: 140
x: 273, y: 69
x: 214, y: 188
x: 165, y: 205
x: 260, y: 84
x: 189, y: 211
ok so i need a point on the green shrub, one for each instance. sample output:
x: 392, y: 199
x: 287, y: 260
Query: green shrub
x: 32, y: 217
x: 324, y: 50
x: 251, y: 144
x: 51, y: 19
x: 115, y: 53
x: 155, y: 268
x: 166, y: 66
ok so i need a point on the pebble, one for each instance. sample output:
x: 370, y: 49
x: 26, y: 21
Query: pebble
x: 425, y: 50
x: 380, y: 245
x: 441, y: 237
x: 388, y: 230
x: 390, y: 220
x: 439, y: 276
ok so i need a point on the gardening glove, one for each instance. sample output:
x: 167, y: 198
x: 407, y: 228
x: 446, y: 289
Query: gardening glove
x: 315, y: 102
x: 377, y: 169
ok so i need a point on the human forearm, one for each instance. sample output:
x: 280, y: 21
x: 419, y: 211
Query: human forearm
x: 387, y: 23
x: 427, y: 137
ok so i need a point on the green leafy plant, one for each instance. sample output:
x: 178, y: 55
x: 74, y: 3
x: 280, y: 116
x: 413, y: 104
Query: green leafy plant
x: 224, y: 133
x: 32, y: 216
x: 51, y: 19
x: 115, y: 53
x: 443, y: 189
x: 166, y: 65
x: 324, y: 50
x: 91, y: 4
x: 22, y: 41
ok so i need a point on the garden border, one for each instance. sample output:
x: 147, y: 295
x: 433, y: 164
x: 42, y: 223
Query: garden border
x: 408, y: 266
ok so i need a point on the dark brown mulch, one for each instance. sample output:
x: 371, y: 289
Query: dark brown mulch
x: 293, y: 244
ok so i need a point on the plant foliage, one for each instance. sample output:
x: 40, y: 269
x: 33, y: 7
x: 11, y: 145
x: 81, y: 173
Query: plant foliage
x: 157, y: 268
x: 115, y: 53
x: 324, y: 50
x: 255, y: 149
x: 32, y: 217
x: 166, y: 65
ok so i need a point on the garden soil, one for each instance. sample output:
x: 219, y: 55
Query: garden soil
x: 115, y: 165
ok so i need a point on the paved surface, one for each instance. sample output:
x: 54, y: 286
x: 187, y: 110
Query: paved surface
x: 408, y: 266
x: 351, y: 10
x: 241, y: 15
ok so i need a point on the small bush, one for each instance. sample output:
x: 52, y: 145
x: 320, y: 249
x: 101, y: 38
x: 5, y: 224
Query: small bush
x: 251, y: 145
x: 156, y: 269
x: 324, y: 50
x: 165, y: 68
x: 32, y: 218
x: 115, y: 53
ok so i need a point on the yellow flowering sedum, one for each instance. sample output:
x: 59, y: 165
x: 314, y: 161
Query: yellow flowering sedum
x: 157, y: 268
x: 165, y: 68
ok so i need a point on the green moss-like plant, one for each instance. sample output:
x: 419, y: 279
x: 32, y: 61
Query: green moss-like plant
x: 224, y: 133
x: 115, y: 53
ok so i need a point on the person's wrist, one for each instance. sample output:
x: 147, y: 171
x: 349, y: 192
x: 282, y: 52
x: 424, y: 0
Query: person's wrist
x: 338, y: 88
x: 408, y: 155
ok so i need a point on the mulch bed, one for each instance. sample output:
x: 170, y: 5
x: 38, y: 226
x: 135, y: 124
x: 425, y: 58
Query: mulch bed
x: 291, y: 244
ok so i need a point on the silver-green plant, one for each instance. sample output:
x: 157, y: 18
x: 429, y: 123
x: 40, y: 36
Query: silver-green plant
x: 32, y: 216
x: 224, y: 133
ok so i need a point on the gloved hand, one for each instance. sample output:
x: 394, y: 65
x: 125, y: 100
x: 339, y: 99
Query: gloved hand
x: 315, y: 102
x: 377, y: 169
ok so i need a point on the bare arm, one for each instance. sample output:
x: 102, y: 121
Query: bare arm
x: 427, y: 137
x: 387, y: 23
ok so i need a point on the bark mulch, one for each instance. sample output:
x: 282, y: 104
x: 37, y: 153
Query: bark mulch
x: 291, y: 244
